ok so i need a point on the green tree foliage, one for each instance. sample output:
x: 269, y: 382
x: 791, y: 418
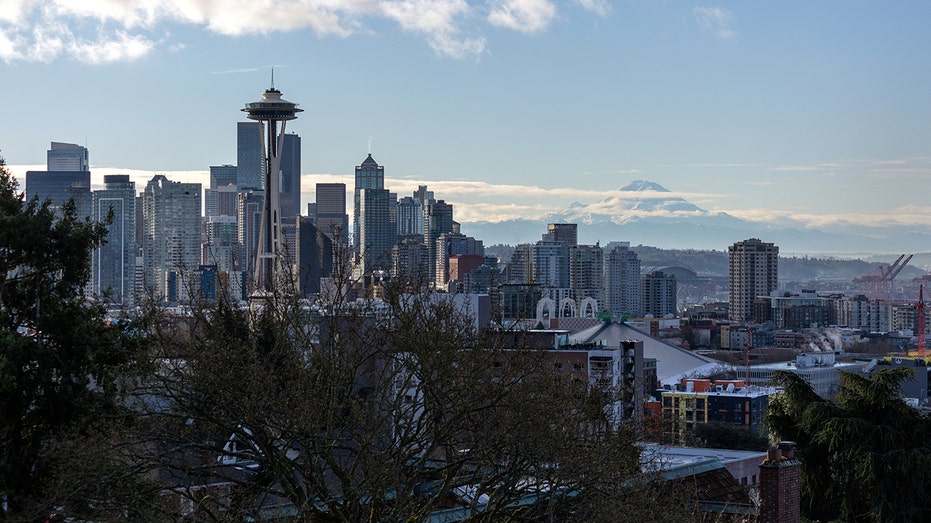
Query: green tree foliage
x: 864, y: 456
x: 60, y: 363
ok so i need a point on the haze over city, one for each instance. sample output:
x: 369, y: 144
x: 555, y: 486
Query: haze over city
x: 814, y: 113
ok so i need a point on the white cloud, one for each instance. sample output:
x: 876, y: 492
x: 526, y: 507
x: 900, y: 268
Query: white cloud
x: 715, y: 20
x: 114, y: 30
x: 117, y: 48
x: 526, y: 16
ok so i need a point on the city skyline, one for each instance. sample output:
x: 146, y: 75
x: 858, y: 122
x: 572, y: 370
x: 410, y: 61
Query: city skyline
x: 816, y: 113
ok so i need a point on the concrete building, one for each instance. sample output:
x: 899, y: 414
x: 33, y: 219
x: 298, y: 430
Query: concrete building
x: 452, y: 244
x: 222, y: 246
x: 658, y: 294
x: 586, y: 273
x: 114, y: 263
x: 753, y: 270
x: 172, y: 232
x: 820, y: 369
x: 622, y: 282
x: 699, y: 401
x: 249, y: 221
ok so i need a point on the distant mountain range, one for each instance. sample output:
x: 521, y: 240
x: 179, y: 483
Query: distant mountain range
x: 642, y: 213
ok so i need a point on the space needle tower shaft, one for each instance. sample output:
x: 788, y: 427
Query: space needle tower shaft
x: 270, y: 261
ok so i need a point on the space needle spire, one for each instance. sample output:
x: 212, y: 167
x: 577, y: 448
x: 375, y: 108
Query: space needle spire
x: 270, y: 254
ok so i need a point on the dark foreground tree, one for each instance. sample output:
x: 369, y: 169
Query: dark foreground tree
x: 864, y: 456
x: 370, y: 411
x: 60, y: 365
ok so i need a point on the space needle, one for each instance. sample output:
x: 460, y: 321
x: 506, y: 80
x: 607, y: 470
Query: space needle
x: 270, y: 254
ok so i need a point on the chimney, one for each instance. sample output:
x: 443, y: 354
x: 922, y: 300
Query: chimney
x: 781, y: 486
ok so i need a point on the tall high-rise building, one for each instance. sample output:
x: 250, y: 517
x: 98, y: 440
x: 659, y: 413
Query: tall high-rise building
x: 249, y: 163
x: 753, y: 270
x: 223, y: 175
x: 67, y: 157
x: 314, y: 256
x: 586, y: 273
x: 376, y: 236
x: 549, y: 260
x: 369, y: 175
x: 330, y: 212
x: 451, y: 244
x: 290, y: 183
x: 67, y: 176
x: 171, y: 236
x: 567, y: 233
x: 222, y: 246
x: 658, y: 293
x: 114, y: 262
x: 437, y: 220
x: 221, y: 198
x: 249, y: 220
x: 622, y: 282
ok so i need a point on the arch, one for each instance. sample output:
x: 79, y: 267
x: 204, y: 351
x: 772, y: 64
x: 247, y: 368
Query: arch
x: 546, y: 306
x: 570, y: 303
x: 589, y: 308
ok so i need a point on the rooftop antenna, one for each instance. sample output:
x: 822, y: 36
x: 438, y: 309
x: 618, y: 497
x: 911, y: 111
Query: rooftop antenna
x: 273, y: 78
x: 370, y: 145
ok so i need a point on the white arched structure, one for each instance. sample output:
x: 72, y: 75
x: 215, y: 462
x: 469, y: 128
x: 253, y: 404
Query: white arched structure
x: 588, y: 308
x: 570, y: 303
x: 546, y: 305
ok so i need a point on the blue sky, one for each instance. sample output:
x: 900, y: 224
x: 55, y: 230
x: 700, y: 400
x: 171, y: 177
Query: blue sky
x: 816, y: 112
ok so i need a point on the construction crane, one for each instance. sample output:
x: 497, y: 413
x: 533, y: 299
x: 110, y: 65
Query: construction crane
x: 920, y: 330
x: 880, y: 281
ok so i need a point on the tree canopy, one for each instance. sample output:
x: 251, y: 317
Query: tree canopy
x: 865, y: 456
x: 60, y: 361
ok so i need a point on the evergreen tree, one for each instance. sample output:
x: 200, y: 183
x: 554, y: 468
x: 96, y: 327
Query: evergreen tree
x: 60, y: 364
x: 864, y: 456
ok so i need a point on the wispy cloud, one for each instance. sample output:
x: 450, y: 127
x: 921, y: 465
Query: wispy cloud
x: 715, y: 20
x: 526, y: 16
x: 100, y: 31
x: 600, y: 7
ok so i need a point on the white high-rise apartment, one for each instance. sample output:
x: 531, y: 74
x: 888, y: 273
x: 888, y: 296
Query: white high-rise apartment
x: 172, y: 232
x: 753, y: 270
x: 622, y: 282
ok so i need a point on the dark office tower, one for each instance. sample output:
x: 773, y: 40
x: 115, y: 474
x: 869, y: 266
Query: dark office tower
x: 437, y: 220
x: 61, y: 186
x: 314, y: 256
x: 223, y: 175
x: 753, y: 270
x: 114, y: 262
x: 67, y: 157
x: 171, y: 238
x: 369, y: 175
x: 250, y: 220
x: 290, y: 177
x: 567, y: 233
x: 250, y: 171
x: 376, y: 237
x: 67, y: 176
x: 330, y: 212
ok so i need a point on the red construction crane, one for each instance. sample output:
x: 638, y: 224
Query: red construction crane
x: 880, y: 280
